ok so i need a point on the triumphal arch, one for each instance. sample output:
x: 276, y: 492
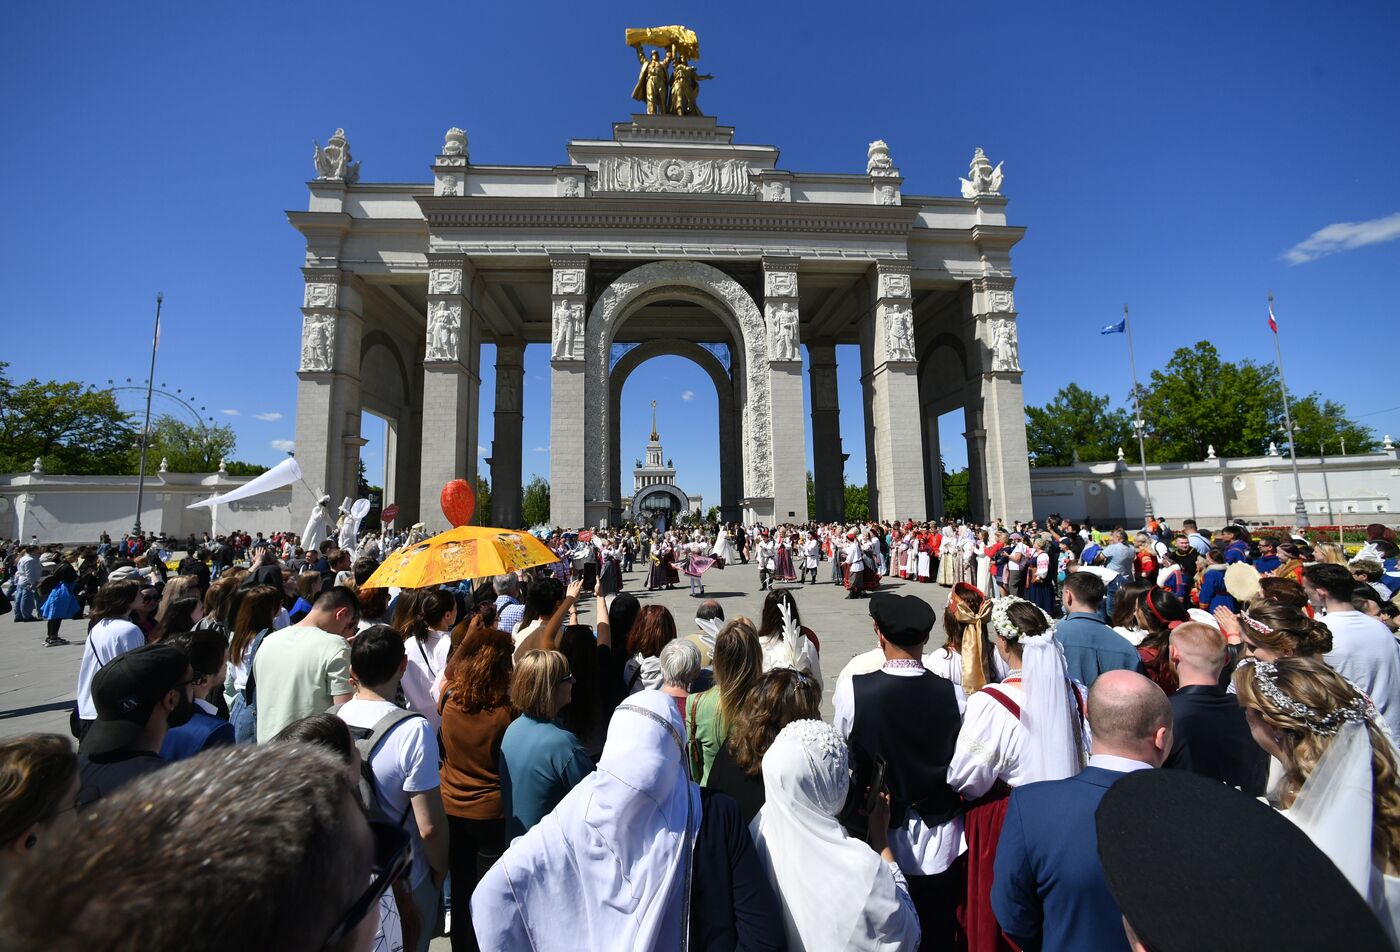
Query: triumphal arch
x: 669, y: 237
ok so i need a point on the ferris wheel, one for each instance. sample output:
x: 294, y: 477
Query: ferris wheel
x: 130, y: 395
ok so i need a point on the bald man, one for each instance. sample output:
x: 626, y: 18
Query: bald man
x: 1211, y: 735
x: 1048, y: 890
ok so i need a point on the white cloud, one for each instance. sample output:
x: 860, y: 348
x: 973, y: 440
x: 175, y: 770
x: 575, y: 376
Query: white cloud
x: 285, y: 446
x: 229, y: 412
x: 272, y: 417
x: 541, y: 449
x: 1344, y: 236
x: 480, y: 450
x: 688, y: 395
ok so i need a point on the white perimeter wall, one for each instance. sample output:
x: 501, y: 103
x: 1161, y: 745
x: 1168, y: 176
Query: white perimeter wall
x: 77, y: 509
x: 1361, y: 489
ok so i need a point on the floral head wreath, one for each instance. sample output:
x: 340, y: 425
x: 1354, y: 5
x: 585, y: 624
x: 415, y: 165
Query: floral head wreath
x: 1359, y: 709
x: 1003, y: 626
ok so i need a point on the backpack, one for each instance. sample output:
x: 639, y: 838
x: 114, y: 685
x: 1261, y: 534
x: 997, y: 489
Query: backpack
x: 367, y: 741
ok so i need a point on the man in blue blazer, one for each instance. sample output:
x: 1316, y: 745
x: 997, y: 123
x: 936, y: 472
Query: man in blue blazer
x: 1048, y: 889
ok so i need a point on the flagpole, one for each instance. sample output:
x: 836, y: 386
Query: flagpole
x: 146, y: 427
x: 1300, y: 508
x: 1138, y: 423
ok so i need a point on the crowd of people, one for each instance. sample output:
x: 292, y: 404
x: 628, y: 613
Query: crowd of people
x: 276, y: 755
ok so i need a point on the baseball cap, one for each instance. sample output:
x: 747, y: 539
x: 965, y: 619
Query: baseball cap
x: 125, y: 692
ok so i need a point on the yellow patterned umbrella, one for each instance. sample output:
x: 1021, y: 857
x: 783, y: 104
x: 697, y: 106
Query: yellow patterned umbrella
x: 461, y: 553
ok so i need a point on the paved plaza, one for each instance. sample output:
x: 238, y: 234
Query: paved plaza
x: 36, y: 687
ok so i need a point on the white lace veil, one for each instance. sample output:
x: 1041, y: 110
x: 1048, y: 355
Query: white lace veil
x: 1050, y: 712
x: 1334, y: 805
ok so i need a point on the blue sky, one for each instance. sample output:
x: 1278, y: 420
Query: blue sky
x: 1169, y: 156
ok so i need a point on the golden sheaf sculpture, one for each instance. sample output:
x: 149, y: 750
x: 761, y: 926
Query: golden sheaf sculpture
x: 685, y: 42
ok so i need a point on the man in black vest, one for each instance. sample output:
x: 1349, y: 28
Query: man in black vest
x: 906, y: 718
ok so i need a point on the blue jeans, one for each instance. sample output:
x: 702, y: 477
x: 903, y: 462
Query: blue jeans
x: 244, y: 720
x: 26, y: 603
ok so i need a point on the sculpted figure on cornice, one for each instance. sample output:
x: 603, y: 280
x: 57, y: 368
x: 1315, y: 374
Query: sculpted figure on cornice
x: 982, y: 178
x: 785, y: 329
x: 454, y: 147
x: 878, y: 162
x: 333, y: 163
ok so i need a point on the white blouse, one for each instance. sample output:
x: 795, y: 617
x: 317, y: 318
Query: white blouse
x: 991, y: 744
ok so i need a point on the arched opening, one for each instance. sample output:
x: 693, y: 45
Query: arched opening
x: 711, y: 464
x: 386, y: 418
x: 943, y: 400
x: 680, y: 305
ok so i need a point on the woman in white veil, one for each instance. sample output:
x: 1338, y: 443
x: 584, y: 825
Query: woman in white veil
x: 626, y: 860
x: 1027, y: 728
x: 836, y: 892
x: 1341, y: 774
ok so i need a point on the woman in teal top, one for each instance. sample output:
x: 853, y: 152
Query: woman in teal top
x: 540, y: 760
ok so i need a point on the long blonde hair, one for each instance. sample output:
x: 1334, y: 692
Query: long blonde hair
x: 738, y: 664
x: 1306, y: 733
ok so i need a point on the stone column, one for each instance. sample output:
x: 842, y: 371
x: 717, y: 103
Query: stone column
x: 828, y: 468
x: 789, y: 440
x: 328, y: 391
x: 505, y: 448
x: 1006, y: 473
x: 894, y: 384
x: 451, y: 385
x: 567, y: 462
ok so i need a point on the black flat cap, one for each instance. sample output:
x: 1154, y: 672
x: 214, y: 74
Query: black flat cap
x: 904, y: 620
x: 1195, y: 864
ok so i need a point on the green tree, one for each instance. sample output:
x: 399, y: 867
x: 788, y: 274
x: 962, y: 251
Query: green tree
x: 74, y: 428
x: 1199, y: 400
x: 534, y: 503
x: 955, y: 493
x: 712, y: 515
x: 1076, y: 426
x: 811, y: 496
x: 1317, y: 422
x: 482, y: 515
x: 186, y: 447
x: 857, y: 503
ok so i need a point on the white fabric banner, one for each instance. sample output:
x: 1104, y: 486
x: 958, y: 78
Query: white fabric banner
x: 283, y: 474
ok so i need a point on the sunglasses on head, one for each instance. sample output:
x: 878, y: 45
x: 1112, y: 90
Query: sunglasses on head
x: 391, y: 860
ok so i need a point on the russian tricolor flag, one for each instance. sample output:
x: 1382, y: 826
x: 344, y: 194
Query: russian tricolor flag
x: 1273, y: 324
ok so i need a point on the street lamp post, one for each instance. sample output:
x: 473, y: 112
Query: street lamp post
x: 146, y: 427
x: 1300, y: 507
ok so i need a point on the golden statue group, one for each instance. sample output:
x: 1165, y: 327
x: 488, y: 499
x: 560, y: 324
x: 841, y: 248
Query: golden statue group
x: 674, y: 92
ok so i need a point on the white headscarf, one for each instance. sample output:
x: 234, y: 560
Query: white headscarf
x: 610, y: 867
x: 835, y: 891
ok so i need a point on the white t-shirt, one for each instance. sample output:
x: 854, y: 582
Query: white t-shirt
x: 426, y: 659
x: 405, y: 763
x: 1366, y: 654
x: 105, y: 641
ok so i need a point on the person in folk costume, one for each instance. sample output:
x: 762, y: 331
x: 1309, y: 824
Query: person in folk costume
x: 724, y: 551
x: 947, y: 557
x: 1040, y: 586
x: 1172, y: 577
x: 783, y: 570
x: 853, y: 566
x: 609, y: 567
x: 838, y: 558
x: 767, y: 552
x: 982, y: 559
x: 924, y: 553
x: 669, y: 556
x: 1027, y: 729
x: 656, y: 574
x: 811, y: 558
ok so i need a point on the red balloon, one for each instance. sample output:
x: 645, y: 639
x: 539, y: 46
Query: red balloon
x: 458, y: 502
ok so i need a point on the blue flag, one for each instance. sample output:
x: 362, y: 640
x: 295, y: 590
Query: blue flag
x: 1115, y: 328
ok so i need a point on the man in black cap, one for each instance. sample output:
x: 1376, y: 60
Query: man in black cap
x: 902, y: 725
x: 1194, y: 864
x: 139, y: 695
